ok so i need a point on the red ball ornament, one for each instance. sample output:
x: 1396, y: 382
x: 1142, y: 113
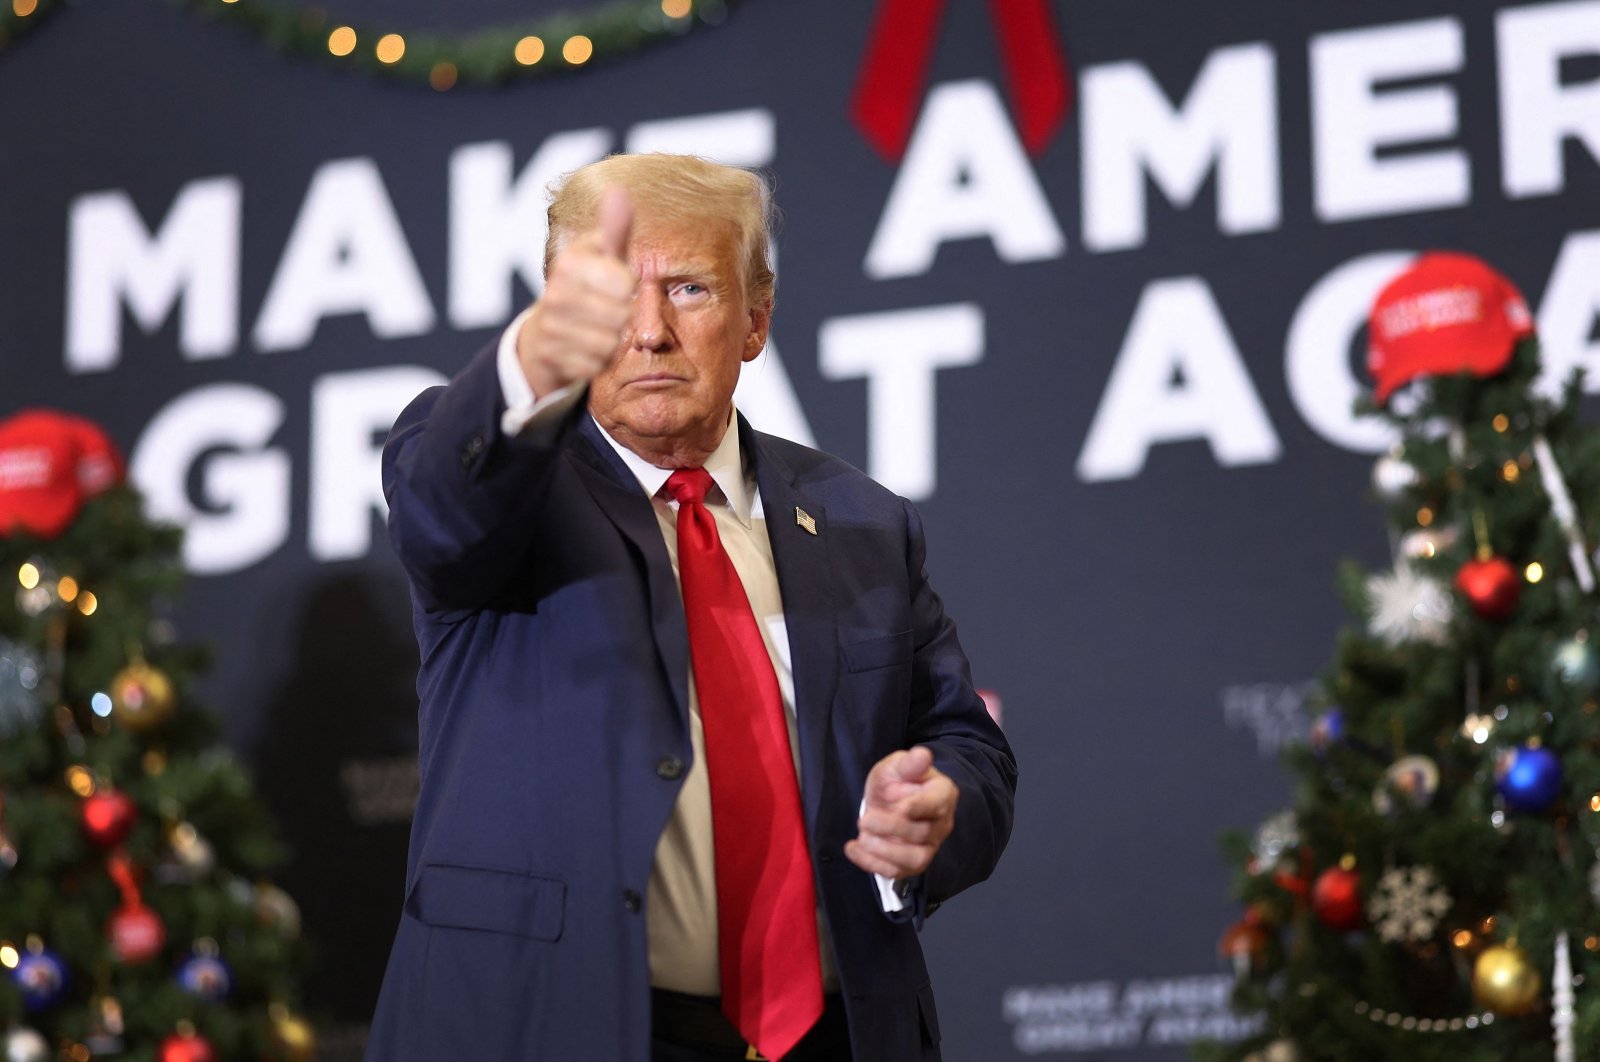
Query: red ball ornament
x: 107, y: 818
x: 186, y: 1047
x: 136, y: 934
x: 1491, y: 587
x: 1336, y: 899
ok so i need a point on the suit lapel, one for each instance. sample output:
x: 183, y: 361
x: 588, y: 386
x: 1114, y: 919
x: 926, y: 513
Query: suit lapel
x: 801, y: 560
x: 620, y: 497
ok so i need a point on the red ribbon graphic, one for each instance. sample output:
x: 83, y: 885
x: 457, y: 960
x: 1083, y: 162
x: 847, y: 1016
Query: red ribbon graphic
x: 900, y: 51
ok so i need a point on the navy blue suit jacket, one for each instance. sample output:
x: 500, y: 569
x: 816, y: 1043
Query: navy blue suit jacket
x: 554, y: 727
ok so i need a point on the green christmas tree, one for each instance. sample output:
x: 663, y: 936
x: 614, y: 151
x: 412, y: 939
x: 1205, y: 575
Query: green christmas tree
x: 1434, y: 893
x: 136, y: 918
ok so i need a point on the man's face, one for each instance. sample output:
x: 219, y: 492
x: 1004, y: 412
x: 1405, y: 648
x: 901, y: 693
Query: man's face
x: 668, y: 394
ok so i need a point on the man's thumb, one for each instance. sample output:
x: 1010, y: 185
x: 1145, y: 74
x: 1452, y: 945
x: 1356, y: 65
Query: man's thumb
x: 912, y: 765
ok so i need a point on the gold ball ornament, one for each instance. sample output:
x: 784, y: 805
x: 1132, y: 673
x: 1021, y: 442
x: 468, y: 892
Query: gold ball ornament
x: 293, y: 1035
x: 142, y: 697
x: 1504, y: 981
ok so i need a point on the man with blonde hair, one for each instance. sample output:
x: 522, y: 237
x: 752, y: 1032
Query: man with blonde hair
x: 699, y: 747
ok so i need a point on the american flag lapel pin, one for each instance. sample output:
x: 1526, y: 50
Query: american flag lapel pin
x: 805, y: 519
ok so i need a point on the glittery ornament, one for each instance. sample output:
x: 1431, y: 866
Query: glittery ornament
x: 41, y: 978
x: 206, y: 976
x: 136, y: 933
x: 1505, y: 981
x: 142, y: 697
x: 1407, y: 904
x: 1412, y: 779
x: 1408, y: 607
x: 1491, y: 586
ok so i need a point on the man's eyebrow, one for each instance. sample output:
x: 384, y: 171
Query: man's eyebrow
x: 690, y: 267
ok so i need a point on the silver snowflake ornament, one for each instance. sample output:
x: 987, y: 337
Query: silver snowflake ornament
x: 1407, y: 607
x: 1407, y: 904
x: 1276, y: 836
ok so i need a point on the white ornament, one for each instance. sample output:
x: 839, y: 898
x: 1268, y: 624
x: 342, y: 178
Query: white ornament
x: 1562, y: 1000
x: 1393, y: 475
x: 1407, y: 904
x: 25, y: 1045
x: 1407, y: 607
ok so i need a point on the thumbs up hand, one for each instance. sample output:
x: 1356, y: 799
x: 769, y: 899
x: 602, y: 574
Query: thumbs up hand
x: 575, y: 329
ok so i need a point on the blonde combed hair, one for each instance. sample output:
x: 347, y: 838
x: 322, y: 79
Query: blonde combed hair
x: 678, y: 189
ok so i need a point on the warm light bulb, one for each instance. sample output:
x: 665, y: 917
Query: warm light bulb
x: 577, y: 50
x: 1533, y: 572
x: 8, y: 956
x: 529, y: 50
x: 67, y: 588
x: 80, y: 780
x: 342, y: 41
x: 391, y: 46
x: 87, y: 603
x: 1501, y: 422
x: 675, y: 8
x: 24, y: 8
x: 28, y: 576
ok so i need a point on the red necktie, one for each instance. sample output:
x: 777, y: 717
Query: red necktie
x: 766, y: 899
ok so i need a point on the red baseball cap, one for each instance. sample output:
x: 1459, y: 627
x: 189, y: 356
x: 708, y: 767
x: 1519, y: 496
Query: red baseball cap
x: 1447, y: 313
x: 50, y: 463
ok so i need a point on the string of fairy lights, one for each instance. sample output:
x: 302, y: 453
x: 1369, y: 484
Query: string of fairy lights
x: 560, y: 42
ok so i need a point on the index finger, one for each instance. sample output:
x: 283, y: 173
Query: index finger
x: 616, y: 220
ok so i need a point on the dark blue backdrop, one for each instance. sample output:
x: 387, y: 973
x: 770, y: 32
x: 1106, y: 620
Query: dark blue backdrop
x: 1115, y: 374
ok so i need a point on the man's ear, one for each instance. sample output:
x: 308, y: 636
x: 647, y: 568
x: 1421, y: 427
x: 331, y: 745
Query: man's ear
x: 760, y: 323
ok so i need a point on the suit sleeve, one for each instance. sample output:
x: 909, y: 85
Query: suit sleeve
x: 948, y: 716
x: 462, y: 494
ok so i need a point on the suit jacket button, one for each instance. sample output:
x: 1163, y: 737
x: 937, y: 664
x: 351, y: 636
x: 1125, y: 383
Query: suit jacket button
x: 473, y: 448
x: 669, y: 767
x: 630, y: 901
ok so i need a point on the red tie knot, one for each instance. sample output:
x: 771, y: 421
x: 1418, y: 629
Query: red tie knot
x: 688, y: 486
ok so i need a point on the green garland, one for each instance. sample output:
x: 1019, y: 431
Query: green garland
x: 486, y: 56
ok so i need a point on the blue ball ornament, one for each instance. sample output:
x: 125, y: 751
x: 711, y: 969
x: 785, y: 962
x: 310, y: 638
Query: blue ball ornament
x: 1327, y: 731
x: 1529, y: 778
x: 41, y: 978
x: 206, y: 976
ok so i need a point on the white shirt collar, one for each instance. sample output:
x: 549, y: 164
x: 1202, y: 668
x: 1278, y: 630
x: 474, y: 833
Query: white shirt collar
x: 726, y: 466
